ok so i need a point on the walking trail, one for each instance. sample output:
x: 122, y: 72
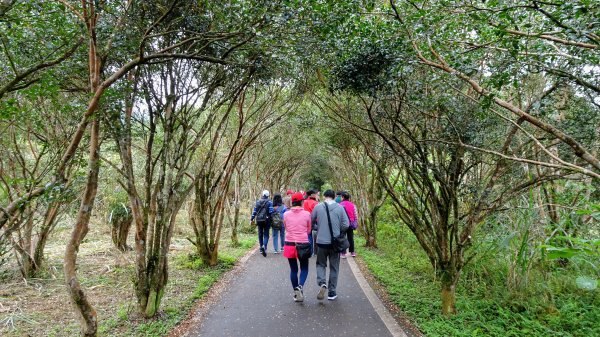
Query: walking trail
x: 258, y: 301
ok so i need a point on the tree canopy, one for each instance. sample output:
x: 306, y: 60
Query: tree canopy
x: 450, y: 115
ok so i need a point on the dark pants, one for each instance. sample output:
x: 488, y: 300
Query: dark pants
x: 350, y: 235
x: 324, y: 254
x: 263, y: 234
x: 294, y: 271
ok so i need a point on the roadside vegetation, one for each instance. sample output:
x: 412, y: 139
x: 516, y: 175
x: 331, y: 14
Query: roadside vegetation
x: 36, y: 306
x: 513, y: 288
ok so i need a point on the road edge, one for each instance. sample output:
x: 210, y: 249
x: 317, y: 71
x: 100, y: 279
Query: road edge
x: 198, y: 313
x: 390, y: 322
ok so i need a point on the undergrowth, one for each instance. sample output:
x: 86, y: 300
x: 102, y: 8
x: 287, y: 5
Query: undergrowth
x: 550, y: 304
x: 127, y: 321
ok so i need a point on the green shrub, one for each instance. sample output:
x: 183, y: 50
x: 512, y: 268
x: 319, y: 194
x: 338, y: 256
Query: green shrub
x: 550, y: 304
x: 189, y: 261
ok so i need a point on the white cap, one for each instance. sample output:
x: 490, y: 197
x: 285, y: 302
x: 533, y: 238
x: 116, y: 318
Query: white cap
x: 265, y: 193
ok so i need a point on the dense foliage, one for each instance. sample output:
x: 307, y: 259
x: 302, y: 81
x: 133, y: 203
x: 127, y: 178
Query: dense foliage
x: 473, y: 125
x: 511, y: 289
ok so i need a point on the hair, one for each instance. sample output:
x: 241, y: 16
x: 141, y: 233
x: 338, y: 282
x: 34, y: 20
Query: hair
x: 339, y: 192
x: 297, y: 203
x: 329, y: 194
x: 345, y: 195
x: 310, y: 192
x: 277, y: 200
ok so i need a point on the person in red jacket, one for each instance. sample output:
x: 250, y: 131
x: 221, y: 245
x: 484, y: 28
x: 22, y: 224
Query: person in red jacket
x: 312, y: 199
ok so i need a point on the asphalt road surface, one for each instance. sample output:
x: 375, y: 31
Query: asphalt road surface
x: 259, y: 302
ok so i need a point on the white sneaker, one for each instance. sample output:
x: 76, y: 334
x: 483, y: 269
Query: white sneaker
x: 321, y: 294
x: 298, y: 294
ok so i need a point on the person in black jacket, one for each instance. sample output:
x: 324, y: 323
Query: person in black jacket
x: 262, y: 215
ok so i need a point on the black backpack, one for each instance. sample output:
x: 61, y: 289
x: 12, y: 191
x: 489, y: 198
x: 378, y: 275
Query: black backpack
x: 262, y: 211
x: 276, y: 220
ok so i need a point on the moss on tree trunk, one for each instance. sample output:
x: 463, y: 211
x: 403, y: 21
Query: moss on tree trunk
x: 448, y: 280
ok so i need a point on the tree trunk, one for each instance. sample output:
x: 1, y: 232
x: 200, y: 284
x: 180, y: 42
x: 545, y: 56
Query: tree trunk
x: 154, y: 268
x: 234, y: 227
x: 371, y: 228
x: 47, y: 227
x: 22, y: 246
x: 448, y: 280
x: 208, y: 254
x: 207, y: 243
x: 79, y: 299
x: 120, y: 225
x: 157, y: 274
x: 207, y: 250
x: 236, y: 208
x: 120, y: 233
x: 448, y: 299
x: 29, y: 252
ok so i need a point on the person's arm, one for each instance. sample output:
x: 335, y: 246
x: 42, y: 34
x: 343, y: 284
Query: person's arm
x: 308, y: 225
x: 345, y: 223
x: 313, y: 219
x: 253, y: 212
x: 271, y: 209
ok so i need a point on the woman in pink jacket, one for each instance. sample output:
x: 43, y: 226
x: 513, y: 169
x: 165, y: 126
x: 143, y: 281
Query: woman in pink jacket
x: 353, y: 217
x: 297, y: 227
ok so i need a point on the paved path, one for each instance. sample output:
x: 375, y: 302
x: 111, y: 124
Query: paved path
x: 259, y: 302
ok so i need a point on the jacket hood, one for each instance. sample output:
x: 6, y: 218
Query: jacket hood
x: 333, y: 206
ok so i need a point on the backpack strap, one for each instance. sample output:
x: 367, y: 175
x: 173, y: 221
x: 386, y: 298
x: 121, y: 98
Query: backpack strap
x: 263, y: 204
x: 328, y: 220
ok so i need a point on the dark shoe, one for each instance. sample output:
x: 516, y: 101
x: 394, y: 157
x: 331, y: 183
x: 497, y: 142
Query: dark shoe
x: 263, y: 251
x: 321, y: 294
x: 331, y: 296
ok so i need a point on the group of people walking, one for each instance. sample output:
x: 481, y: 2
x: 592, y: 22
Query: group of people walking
x: 307, y: 227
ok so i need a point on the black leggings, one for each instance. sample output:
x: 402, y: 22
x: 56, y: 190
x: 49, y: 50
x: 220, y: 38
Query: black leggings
x: 350, y: 234
x: 294, y: 271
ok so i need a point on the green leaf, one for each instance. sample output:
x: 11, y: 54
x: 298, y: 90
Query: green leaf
x: 587, y: 283
x: 560, y: 252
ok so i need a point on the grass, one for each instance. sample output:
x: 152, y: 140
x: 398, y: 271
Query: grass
x: 171, y: 316
x: 550, y: 305
x: 107, y: 274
